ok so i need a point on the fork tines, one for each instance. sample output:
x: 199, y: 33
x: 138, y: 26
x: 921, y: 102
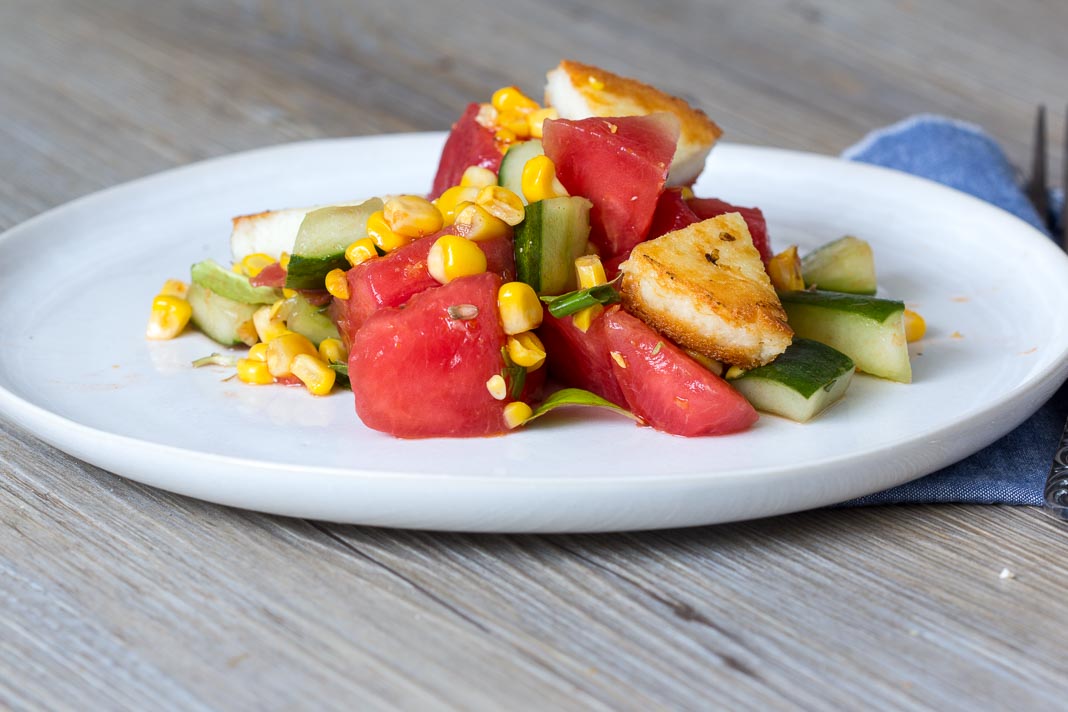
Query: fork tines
x: 1038, y: 185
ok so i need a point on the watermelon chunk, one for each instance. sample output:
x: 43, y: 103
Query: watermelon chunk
x: 672, y: 213
x: 705, y: 208
x: 417, y: 373
x: 668, y: 389
x: 469, y: 144
x: 580, y: 359
x: 621, y: 165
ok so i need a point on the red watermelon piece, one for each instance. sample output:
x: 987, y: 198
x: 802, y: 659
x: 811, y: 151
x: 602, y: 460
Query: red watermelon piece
x: 672, y: 213
x: 620, y: 164
x: 469, y: 144
x: 580, y: 359
x: 668, y: 389
x: 418, y: 373
x: 705, y: 208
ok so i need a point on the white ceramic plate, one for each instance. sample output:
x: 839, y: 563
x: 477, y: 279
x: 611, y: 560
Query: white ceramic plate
x: 76, y: 370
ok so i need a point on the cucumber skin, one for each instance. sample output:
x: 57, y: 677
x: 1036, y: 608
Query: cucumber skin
x: 844, y: 265
x: 510, y: 174
x: 314, y: 255
x: 217, y: 316
x: 310, y: 272
x: 554, y: 233
x: 779, y: 399
x: 307, y: 320
x: 873, y: 308
x: 805, y: 367
x: 213, y: 276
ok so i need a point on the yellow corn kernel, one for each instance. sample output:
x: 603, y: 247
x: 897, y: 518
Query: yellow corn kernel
x: 268, y: 325
x: 515, y: 122
x: 412, y: 216
x: 520, y: 307
x: 453, y: 256
x: 360, y: 251
x: 582, y: 319
x: 539, y: 180
x: 284, y: 260
x: 258, y: 352
x: 174, y: 288
x: 687, y: 192
x: 784, y: 269
x: 277, y: 307
x: 253, y: 264
x: 512, y: 99
x: 382, y: 234
x: 450, y: 202
x: 535, y: 119
x: 915, y: 326
x: 337, y: 284
x: 287, y: 292
x: 526, y: 350
x: 246, y: 331
x: 333, y: 351
x: 504, y: 135
x: 168, y: 317
x: 516, y: 413
x: 316, y: 376
x: 476, y: 223
x: 237, y: 268
x: 590, y: 271
x: 497, y: 386
x: 253, y: 371
x: 734, y: 372
x: 478, y: 177
x: 282, y: 350
x: 502, y: 203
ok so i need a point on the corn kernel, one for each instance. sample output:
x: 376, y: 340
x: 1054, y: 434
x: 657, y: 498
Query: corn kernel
x: 734, y: 372
x: 582, y: 319
x: 526, y: 350
x: 258, y: 352
x: 253, y: 264
x: 915, y: 326
x: 337, y: 284
x: 520, y: 307
x: 246, y: 332
x: 253, y: 371
x: 282, y: 350
x: 478, y: 177
x: 686, y: 192
x: 287, y: 292
x: 450, y: 202
x: 590, y: 271
x: 453, y: 256
x: 502, y: 203
x: 360, y: 251
x: 504, y: 135
x: 497, y: 386
x: 516, y: 413
x: 284, y: 260
x: 277, y: 307
x: 536, y: 119
x: 539, y: 180
x: 512, y: 99
x: 412, y: 216
x: 382, y: 234
x: 476, y: 223
x: 784, y: 269
x: 515, y: 122
x: 268, y: 326
x: 168, y: 317
x: 333, y: 351
x: 237, y: 268
x: 174, y: 288
x: 316, y: 376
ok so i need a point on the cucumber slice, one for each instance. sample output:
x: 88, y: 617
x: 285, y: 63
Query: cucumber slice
x: 225, y: 320
x: 510, y: 174
x: 845, y: 265
x: 321, y: 241
x: 307, y: 320
x: 801, y: 383
x: 551, y: 237
x: 868, y: 330
x: 227, y: 283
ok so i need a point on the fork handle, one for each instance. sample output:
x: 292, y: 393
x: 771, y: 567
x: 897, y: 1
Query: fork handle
x: 1056, y: 491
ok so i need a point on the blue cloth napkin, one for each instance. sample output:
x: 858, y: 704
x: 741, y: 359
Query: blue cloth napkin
x: 1013, y: 470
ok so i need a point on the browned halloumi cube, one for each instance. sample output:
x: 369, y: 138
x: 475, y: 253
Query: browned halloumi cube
x: 705, y: 287
x: 579, y: 91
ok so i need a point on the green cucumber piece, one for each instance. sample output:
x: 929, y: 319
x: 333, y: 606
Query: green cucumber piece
x: 845, y: 265
x: 307, y: 320
x: 801, y: 383
x: 868, y: 330
x: 321, y: 241
x: 551, y: 237
x: 510, y: 174
x: 224, y: 320
x: 227, y: 283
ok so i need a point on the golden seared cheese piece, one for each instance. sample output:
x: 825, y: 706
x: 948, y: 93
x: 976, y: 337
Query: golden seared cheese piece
x: 705, y: 287
x: 579, y: 91
x: 271, y: 232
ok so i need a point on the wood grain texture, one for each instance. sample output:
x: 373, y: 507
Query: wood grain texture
x: 114, y: 595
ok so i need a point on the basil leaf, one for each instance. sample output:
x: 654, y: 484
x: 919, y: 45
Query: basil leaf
x: 577, y: 396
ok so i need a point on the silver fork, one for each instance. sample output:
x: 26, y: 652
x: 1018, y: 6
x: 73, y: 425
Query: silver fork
x: 1056, y: 489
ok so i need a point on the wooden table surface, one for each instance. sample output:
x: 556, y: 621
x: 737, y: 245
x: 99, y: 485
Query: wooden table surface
x: 116, y: 595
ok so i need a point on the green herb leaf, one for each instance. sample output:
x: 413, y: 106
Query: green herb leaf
x: 342, y: 370
x: 514, y: 375
x: 572, y: 302
x: 577, y: 396
x: 216, y: 359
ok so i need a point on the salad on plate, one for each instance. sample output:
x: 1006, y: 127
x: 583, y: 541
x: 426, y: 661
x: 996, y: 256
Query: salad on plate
x: 560, y: 258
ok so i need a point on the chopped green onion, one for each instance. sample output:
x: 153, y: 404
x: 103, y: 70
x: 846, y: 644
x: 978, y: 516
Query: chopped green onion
x: 215, y: 359
x: 573, y: 302
x: 515, y: 375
